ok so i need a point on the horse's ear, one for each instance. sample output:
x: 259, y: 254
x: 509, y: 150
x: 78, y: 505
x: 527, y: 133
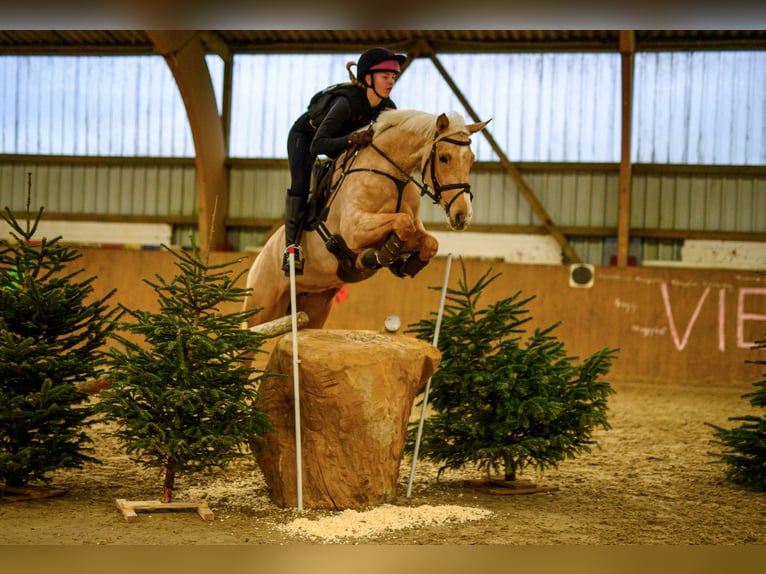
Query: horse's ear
x: 442, y: 122
x: 473, y: 128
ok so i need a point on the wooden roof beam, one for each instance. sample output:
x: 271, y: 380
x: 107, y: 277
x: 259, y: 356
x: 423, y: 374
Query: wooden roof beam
x: 627, y: 51
x: 185, y: 55
x: 215, y: 42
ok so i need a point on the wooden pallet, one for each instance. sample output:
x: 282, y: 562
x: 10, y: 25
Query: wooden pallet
x: 21, y: 493
x: 129, y: 507
x: 508, y: 487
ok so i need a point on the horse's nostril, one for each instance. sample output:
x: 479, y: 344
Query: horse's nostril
x: 458, y: 221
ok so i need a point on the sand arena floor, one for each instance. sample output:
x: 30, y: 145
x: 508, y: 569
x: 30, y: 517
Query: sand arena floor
x: 652, y: 482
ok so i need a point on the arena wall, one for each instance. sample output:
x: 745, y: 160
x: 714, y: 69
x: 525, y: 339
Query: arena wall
x: 690, y: 326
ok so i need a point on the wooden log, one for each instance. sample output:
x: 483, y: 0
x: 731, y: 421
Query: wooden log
x: 19, y: 493
x: 281, y: 325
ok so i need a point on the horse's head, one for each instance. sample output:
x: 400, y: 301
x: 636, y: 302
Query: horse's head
x: 445, y: 169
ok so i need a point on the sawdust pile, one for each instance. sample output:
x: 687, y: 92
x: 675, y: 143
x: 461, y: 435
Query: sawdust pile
x: 385, y: 518
x: 246, y: 491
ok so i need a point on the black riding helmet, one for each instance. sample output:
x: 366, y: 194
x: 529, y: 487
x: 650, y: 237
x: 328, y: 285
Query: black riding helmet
x: 375, y: 56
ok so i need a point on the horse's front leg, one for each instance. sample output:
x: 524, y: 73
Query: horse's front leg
x: 394, y: 230
x: 425, y: 247
x: 428, y: 245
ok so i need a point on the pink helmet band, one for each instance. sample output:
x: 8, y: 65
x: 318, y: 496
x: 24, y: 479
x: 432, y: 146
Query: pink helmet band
x: 387, y: 65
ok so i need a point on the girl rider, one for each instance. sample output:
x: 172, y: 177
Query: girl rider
x: 354, y: 106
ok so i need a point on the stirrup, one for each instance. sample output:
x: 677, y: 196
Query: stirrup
x: 298, y: 260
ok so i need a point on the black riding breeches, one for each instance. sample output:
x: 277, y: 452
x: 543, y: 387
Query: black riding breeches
x: 301, y: 162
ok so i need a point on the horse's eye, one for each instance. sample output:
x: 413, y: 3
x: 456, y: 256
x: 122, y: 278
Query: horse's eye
x: 443, y: 158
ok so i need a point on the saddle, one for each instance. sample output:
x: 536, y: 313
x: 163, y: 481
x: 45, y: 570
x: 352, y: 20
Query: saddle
x: 321, y: 188
x: 316, y: 215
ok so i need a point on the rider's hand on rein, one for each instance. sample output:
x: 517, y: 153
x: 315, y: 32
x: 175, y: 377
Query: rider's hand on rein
x: 360, y: 138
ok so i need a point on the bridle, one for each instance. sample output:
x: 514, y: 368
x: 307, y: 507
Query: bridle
x: 436, y: 194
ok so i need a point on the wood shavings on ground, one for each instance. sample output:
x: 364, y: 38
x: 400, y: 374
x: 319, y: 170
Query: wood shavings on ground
x: 245, y: 491
x: 372, y: 523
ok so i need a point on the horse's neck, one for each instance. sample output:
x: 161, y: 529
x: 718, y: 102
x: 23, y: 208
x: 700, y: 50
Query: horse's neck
x: 403, y: 148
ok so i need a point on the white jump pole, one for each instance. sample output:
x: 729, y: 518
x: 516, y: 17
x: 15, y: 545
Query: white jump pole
x: 296, y: 384
x: 428, y: 384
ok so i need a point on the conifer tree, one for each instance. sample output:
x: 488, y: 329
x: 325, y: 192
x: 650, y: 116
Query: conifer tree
x: 744, y: 447
x: 52, y: 332
x: 501, y: 404
x: 181, y: 396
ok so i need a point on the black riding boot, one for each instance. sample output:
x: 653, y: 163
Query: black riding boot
x: 295, y: 212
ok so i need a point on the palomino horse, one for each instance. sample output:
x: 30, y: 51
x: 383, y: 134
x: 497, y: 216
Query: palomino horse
x: 372, y: 220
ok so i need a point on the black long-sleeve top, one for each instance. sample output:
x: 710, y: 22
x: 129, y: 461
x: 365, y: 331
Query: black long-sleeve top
x: 344, y: 117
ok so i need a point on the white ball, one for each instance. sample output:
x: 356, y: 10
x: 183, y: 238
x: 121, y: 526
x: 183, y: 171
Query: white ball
x: 392, y: 323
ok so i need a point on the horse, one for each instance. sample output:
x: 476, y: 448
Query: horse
x: 371, y: 216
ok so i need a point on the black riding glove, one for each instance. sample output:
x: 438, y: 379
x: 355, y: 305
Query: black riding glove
x: 360, y: 138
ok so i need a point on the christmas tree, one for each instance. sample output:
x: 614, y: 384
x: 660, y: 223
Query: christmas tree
x: 501, y: 404
x: 52, y: 332
x: 744, y: 447
x: 181, y: 397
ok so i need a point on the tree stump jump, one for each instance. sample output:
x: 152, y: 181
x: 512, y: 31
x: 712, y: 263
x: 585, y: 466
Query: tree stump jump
x: 357, y: 389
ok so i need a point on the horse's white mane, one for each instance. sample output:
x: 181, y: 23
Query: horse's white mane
x: 417, y: 122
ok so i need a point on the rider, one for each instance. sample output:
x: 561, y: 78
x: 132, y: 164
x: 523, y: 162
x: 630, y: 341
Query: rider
x: 376, y: 72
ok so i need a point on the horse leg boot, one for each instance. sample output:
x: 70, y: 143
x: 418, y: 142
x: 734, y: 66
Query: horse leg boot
x: 372, y: 258
x: 408, y: 267
x: 295, y: 213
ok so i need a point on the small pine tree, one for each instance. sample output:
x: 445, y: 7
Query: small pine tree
x: 744, y: 447
x: 182, y: 400
x: 51, y: 336
x: 501, y: 405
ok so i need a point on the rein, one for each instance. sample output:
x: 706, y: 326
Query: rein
x: 348, y: 269
x: 436, y: 194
